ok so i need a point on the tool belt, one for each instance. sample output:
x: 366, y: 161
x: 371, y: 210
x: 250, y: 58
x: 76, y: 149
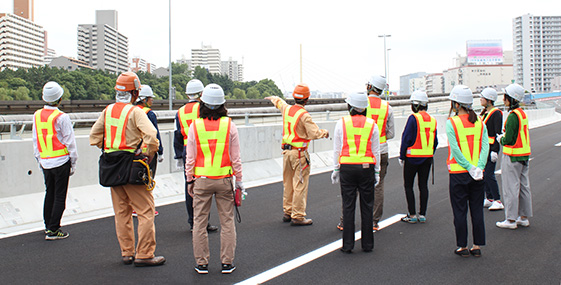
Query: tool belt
x: 290, y: 147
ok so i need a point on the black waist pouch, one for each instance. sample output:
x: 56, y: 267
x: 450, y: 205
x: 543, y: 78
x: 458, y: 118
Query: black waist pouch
x: 115, y: 168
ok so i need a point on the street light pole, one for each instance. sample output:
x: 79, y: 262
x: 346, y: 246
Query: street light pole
x: 388, y: 75
x: 385, y: 56
x: 170, y: 88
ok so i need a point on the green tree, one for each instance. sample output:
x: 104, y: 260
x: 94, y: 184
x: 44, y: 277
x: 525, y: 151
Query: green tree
x: 22, y: 93
x: 239, y: 94
x: 252, y: 93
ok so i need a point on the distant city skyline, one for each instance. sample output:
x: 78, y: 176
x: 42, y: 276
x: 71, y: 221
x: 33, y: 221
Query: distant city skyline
x: 341, y: 47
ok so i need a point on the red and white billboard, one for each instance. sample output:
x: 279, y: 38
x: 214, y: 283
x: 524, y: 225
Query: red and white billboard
x: 484, y: 52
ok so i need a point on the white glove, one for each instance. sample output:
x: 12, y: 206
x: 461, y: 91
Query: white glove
x: 179, y: 164
x: 335, y: 176
x: 239, y: 185
x: 499, y: 137
x: 400, y: 162
x: 72, y: 170
x: 377, y: 175
x: 494, y: 156
x: 161, y: 158
x: 472, y: 172
x: 478, y: 174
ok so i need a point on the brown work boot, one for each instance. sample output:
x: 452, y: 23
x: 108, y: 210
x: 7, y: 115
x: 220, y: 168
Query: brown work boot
x: 154, y: 261
x: 286, y: 218
x: 301, y: 222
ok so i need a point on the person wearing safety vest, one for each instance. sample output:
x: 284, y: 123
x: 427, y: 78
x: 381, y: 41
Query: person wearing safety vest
x: 515, y: 162
x: 418, y: 144
x: 213, y: 157
x: 492, y: 117
x: 183, y: 119
x: 145, y: 100
x: 356, y: 151
x: 298, y: 131
x: 381, y: 112
x: 468, y: 148
x: 120, y: 128
x: 54, y: 147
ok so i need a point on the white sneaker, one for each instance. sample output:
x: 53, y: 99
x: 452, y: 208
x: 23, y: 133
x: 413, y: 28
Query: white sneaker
x: 522, y: 222
x: 487, y: 203
x: 506, y: 224
x: 497, y: 205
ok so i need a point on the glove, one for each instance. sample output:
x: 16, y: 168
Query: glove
x: 478, y: 174
x: 377, y: 175
x: 72, y: 170
x: 400, y: 162
x: 161, y: 158
x: 494, y: 156
x: 335, y: 176
x: 472, y: 172
x: 179, y: 164
x: 239, y: 185
x: 499, y: 137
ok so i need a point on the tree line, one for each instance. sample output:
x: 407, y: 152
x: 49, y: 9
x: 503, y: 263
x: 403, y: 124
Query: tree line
x: 87, y: 84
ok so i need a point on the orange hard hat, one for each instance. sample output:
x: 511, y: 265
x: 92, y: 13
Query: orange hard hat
x: 301, y: 91
x: 127, y: 81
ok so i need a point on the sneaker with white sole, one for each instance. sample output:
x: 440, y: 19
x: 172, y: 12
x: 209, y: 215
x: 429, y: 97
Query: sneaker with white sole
x: 506, y: 224
x: 487, y: 203
x: 422, y: 219
x: 410, y: 219
x: 202, y: 268
x: 496, y: 206
x: 522, y: 222
x: 58, y: 234
x: 228, y: 268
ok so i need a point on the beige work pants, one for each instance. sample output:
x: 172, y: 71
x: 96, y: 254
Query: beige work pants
x: 296, y: 174
x: 379, y: 190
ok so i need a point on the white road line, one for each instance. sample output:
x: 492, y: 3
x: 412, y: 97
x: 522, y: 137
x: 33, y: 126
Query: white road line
x: 299, y: 261
x: 558, y: 144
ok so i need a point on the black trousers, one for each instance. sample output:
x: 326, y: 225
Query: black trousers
x: 56, y: 188
x: 188, y: 200
x: 491, y: 185
x: 354, y: 178
x: 467, y: 193
x: 411, y: 170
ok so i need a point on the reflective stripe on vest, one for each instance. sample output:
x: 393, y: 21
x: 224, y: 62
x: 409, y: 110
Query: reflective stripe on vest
x: 116, y: 118
x: 146, y: 110
x: 378, y: 111
x: 187, y: 114
x: 424, y: 142
x: 357, y: 145
x: 468, y: 138
x: 47, y: 141
x: 290, y: 119
x: 486, y: 118
x: 522, y: 145
x: 213, y: 148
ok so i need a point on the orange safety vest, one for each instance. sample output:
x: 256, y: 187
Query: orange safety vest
x: 357, y: 145
x: 47, y: 141
x: 486, y: 118
x: 290, y: 119
x: 146, y: 110
x: 522, y: 145
x: 116, y: 118
x: 187, y: 114
x: 213, y: 148
x: 378, y: 110
x: 426, y: 130
x: 468, y: 137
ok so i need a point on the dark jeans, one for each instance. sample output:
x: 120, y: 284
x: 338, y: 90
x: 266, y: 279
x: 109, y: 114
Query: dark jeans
x: 466, y: 192
x: 56, y: 183
x: 410, y: 170
x: 355, y: 178
x: 491, y: 186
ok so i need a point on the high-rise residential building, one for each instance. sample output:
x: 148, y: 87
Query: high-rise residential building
x: 101, y: 45
x: 537, y: 46
x: 206, y: 57
x: 232, y: 69
x: 434, y: 83
x: 24, y: 9
x: 22, y: 42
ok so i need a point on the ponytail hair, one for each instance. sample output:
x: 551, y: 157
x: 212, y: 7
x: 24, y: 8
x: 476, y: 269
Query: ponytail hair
x: 472, y: 118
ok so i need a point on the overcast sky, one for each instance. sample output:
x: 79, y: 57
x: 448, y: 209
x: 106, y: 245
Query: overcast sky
x: 340, y: 42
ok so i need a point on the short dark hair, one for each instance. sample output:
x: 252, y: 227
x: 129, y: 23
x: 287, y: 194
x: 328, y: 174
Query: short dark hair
x: 353, y: 111
x: 213, y: 115
x: 301, y: 101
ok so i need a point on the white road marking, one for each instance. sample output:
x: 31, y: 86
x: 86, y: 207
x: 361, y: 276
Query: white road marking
x: 558, y: 144
x: 299, y: 261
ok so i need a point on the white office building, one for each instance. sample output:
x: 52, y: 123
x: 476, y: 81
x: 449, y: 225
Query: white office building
x: 537, y: 51
x: 232, y: 69
x: 22, y: 42
x: 101, y: 45
x: 206, y: 57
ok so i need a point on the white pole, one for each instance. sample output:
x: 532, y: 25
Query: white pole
x: 170, y: 89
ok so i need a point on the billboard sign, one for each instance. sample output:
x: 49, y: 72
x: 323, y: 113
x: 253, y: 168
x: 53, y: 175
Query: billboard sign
x: 485, y: 52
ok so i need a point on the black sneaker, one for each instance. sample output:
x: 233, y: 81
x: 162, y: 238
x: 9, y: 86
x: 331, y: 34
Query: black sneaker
x: 56, y: 235
x: 228, y: 268
x: 202, y: 269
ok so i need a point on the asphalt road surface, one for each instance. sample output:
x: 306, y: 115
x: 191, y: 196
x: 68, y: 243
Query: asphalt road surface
x: 403, y: 253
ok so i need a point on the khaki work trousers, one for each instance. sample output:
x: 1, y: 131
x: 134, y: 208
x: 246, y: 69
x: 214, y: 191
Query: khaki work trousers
x: 296, y: 174
x: 125, y: 198
x: 222, y: 190
x: 379, y: 189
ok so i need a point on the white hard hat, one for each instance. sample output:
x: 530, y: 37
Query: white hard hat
x: 515, y: 91
x: 419, y: 97
x: 194, y: 86
x: 52, y: 91
x: 489, y: 94
x: 461, y: 94
x: 145, y: 92
x: 357, y: 100
x: 213, y: 95
x: 378, y: 82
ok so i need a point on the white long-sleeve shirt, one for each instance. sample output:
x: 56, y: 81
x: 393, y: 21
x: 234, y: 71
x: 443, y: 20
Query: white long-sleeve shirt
x: 65, y: 134
x: 338, y: 144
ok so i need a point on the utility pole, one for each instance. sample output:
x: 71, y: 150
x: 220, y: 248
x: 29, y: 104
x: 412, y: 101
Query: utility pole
x: 301, y: 63
x: 385, y: 56
x: 170, y: 89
